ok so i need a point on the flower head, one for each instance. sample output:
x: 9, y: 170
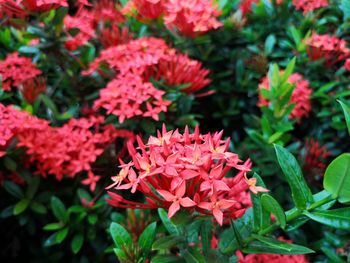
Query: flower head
x: 309, y: 5
x: 181, y: 171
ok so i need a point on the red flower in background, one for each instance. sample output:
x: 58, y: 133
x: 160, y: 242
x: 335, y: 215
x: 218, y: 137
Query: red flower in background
x: 146, y: 9
x: 42, y: 5
x: 246, y: 6
x: 309, y: 5
x: 60, y: 151
x: 315, y: 158
x: 32, y: 88
x: 114, y: 36
x: 186, y: 170
x: 300, y: 96
x: 327, y: 47
x: 347, y: 64
x: 191, y: 17
x: 128, y: 96
x: 84, y: 21
x: 16, y: 70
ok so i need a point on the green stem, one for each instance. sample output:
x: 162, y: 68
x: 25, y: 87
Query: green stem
x: 291, y: 215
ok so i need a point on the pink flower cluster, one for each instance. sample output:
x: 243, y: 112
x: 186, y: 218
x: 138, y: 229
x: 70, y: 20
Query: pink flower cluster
x: 300, y: 96
x: 128, y: 96
x: 327, y: 47
x: 16, y: 70
x: 309, y: 5
x: 131, y: 93
x: 89, y: 21
x: 60, y: 151
x: 186, y: 171
x: 190, y: 17
x: 315, y: 157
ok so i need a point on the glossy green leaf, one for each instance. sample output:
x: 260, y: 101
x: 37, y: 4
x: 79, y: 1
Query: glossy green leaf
x: 271, y: 205
x: 337, y: 178
x: 61, y: 235
x: 147, y: 237
x: 301, y: 193
x: 261, y: 217
x: 51, y: 240
x: 167, y: 242
x: 289, y: 70
x: 265, y: 245
x: 53, y: 226
x: 166, y: 259
x: 205, y: 233
x: 346, y: 111
x: 121, y: 237
x: 77, y: 243
x: 21, y: 206
x: 336, y: 218
x: 172, y: 228
x: 59, y: 210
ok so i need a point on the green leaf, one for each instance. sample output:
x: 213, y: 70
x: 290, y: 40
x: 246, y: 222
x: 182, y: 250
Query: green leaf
x: 289, y: 70
x: 337, y: 178
x: 21, y: 206
x: 336, y: 218
x: 33, y: 185
x: 189, y: 258
x: 53, y: 226
x: 271, y: 205
x: 58, y: 209
x: 261, y: 217
x: 269, y: 44
x: 166, y: 259
x: 301, y: 193
x: 51, y: 240
x: 346, y: 110
x: 61, y: 235
x: 269, y: 245
x: 13, y: 189
x: 167, y: 242
x: 77, y: 243
x: 274, y: 76
x: 10, y: 164
x: 121, y: 237
x: 121, y: 255
x: 205, y: 233
x: 147, y: 237
x: 172, y: 228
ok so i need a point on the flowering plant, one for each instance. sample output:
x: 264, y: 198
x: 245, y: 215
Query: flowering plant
x: 175, y: 130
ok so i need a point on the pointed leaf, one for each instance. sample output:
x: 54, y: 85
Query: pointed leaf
x: 58, y: 209
x: 346, y: 110
x: 147, y: 237
x: 121, y: 237
x: 271, y: 205
x: 77, y: 243
x: 261, y: 217
x: 337, y: 218
x: 265, y: 245
x: 172, y: 228
x: 21, y: 206
x: 301, y: 193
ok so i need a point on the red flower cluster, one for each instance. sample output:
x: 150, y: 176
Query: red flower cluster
x: 309, y: 5
x: 246, y: 6
x: 128, y: 96
x: 327, y: 47
x: 113, y: 36
x: 61, y: 151
x: 314, y: 159
x: 131, y: 93
x: 84, y: 21
x: 347, y: 64
x: 300, y: 96
x: 20, y: 8
x: 32, y: 88
x: 187, y: 170
x: 15, y: 70
x: 190, y: 17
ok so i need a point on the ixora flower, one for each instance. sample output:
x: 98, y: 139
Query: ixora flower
x: 43, y: 5
x: 300, y: 96
x: 16, y: 70
x: 309, y: 5
x: 327, y: 47
x: 60, y: 151
x: 186, y: 171
x: 314, y: 158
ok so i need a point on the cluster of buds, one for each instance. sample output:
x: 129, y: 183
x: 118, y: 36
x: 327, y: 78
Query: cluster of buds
x: 186, y: 171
